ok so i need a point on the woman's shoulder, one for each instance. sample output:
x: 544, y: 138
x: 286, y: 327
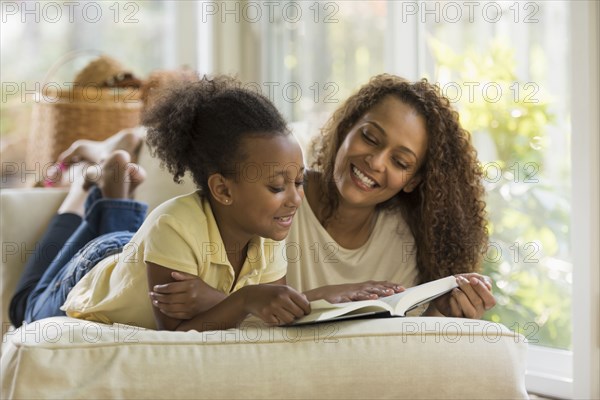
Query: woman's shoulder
x: 392, y: 221
x: 313, y: 191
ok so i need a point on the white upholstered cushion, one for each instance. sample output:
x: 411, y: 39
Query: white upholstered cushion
x: 435, y: 358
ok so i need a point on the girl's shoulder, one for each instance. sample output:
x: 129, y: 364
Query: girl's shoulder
x: 184, y: 207
x: 188, y: 217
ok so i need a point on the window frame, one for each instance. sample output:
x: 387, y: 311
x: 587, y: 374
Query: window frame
x: 585, y: 221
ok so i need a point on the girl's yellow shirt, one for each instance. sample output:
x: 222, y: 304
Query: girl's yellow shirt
x: 181, y: 234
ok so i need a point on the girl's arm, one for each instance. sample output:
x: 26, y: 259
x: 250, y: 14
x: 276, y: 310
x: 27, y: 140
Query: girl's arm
x: 274, y: 304
x: 186, y: 295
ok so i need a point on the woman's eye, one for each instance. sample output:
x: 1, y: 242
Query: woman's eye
x: 401, y: 164
x: 368, y: 137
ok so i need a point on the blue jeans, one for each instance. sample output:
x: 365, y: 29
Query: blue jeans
x: 107, y: 226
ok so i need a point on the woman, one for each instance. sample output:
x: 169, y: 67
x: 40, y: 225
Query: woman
x: 395, y: 196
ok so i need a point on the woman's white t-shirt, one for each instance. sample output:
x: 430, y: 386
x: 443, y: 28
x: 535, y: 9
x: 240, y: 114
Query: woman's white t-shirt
x: 315, y: 259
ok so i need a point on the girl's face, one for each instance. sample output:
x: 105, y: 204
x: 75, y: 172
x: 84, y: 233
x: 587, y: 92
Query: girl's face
x: 269, y: 187
x: 381, y: 154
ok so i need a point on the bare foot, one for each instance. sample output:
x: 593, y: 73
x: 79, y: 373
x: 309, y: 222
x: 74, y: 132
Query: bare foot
x: 75, y: 199
x: 129, y: 140
x: 117, y: 177
x: 90, y: 151
x: 136, y: 176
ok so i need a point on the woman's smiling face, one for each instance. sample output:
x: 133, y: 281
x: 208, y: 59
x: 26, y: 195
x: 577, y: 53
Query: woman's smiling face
x: 381, y: 154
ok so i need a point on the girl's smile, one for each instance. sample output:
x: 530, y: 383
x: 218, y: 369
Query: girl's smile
x: 285, y: 221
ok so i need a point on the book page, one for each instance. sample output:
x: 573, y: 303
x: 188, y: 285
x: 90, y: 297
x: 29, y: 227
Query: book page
x: 397, y: 304
x: 322, y: 310
x: 421, y: 294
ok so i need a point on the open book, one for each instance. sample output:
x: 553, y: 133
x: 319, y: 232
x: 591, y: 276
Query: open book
x: 395, y: 305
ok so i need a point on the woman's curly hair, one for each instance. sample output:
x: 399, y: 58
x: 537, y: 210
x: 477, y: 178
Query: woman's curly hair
x: 446, y: 212
x: 199, y: 126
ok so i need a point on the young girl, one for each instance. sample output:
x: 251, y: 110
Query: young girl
x: 249, y: 172
x: 395, y: 198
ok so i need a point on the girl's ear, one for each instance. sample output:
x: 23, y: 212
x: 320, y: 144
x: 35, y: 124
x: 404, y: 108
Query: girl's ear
x: 219, y: 188
x: 412, y: 183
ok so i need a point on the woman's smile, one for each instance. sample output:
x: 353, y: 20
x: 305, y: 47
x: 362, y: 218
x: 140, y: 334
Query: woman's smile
x: 362, y: 179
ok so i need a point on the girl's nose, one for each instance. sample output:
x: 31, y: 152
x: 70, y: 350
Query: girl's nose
x: 295, y: 197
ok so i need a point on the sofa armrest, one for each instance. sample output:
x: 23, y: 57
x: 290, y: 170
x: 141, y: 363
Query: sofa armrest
x: 25, y: 214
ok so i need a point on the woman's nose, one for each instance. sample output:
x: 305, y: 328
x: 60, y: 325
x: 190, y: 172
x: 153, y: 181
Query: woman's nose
x: 375, y: 160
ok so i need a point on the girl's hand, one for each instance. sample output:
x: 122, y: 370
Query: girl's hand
x: 471, y: 299
x: 186, y: 298
x: 355, y: 291
x: 275, y: 304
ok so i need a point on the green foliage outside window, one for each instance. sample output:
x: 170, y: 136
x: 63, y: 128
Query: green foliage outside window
x: 528, y: 205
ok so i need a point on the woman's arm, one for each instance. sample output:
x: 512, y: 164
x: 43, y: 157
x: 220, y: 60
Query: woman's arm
x: 354, y: 291
x: 274, y: 304
x: 471, y: 299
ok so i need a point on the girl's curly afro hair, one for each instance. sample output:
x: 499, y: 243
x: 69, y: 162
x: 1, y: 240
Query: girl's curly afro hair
x: 199, y: 126
x: 446, y: 212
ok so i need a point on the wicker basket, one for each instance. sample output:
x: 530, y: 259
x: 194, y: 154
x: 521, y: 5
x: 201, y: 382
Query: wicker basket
x: 88, y: 111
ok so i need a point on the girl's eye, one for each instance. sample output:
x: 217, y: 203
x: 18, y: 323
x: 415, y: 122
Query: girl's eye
x: 368, y: 137
x: 276, y: 189
x: 299, y: 184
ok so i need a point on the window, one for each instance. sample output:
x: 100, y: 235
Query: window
x: 504, y: 73
x: 320, y: 52
x: 49, y: 42
x: 37, y: 34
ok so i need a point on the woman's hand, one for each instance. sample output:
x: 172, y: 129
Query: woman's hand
x: 275, y: 304
x: 354, y: 291
x: 186, y: 298
x: 471, y: 299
